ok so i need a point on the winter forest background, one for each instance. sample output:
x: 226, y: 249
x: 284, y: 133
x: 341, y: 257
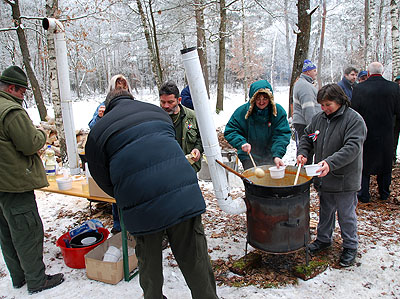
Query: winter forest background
x: 239, y: 41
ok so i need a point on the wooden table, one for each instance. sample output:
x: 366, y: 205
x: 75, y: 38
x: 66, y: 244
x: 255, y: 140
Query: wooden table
x: 78, y: 192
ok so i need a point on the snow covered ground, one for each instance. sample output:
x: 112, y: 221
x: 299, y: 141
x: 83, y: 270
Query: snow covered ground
x: 375, y: 276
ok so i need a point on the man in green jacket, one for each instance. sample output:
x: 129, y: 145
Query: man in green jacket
x: 185, y: 123
x: 260, y: 126
x: 21, y: 171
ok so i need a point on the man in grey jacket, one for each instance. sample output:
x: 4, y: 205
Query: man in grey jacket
x: 305, y: 104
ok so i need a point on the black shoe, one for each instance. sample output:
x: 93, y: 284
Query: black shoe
x: 50, y: 282
x: 348, y: 257
x: 317, y: 246
x: 362, y: 200
x: 115, y: 231
x: 19, y: 285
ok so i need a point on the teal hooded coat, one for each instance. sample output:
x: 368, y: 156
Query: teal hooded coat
x: 266, y: 130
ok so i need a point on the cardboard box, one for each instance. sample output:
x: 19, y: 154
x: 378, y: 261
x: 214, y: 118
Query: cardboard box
x: 109, y: 272
x: 95, y: 190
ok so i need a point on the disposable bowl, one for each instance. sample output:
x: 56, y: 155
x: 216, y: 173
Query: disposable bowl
x: 64, y: 184
x: 277, y: 173
x: 311, y: 170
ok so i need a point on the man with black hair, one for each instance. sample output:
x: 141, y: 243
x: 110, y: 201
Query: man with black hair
x: 185, y: 123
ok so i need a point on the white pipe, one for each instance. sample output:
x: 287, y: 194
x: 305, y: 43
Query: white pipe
x: 208, y: 133
x: 57, y: 28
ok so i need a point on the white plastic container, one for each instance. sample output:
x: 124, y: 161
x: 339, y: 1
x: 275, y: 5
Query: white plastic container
x: 112, y: 254
x: 311, y: 170
x: 64, y: 183
x: 277, y: 173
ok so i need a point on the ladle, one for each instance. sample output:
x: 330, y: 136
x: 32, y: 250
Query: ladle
x: 259, y: 172
x: 234, y: 172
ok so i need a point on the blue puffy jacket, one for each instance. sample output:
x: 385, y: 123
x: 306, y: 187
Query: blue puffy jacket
x: 134, y: 157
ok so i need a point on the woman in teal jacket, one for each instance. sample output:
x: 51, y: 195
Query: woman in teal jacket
x: 260, y: 127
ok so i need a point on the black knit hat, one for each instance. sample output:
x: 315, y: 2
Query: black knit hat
x: 14, y: 75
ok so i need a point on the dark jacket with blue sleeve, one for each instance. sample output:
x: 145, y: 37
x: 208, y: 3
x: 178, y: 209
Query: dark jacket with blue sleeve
x: 134, y: 157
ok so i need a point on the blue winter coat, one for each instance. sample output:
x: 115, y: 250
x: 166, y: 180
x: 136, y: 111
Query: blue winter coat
x: 186, y: 98
x: 134, y: 157
x: 347, y: 87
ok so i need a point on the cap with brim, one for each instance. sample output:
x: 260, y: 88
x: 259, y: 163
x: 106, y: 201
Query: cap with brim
x: 14, y: 75
x: 362, y: 74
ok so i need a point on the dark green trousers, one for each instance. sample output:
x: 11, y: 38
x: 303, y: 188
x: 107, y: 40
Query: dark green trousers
x: 21, y: 238
x: 189, y: 246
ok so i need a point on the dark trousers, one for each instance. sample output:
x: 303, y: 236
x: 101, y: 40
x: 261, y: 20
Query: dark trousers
x: 21, y: 238
x: 189, y: 246
x: 383, y: 181
x: 115, y: 214
x: 300, y: 132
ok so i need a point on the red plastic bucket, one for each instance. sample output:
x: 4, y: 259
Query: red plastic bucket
x: 75, y: 257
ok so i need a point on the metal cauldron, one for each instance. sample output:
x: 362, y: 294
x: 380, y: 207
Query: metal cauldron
x: 278, y: 218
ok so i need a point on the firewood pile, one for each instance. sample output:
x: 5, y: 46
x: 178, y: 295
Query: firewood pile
x: 52, y: 138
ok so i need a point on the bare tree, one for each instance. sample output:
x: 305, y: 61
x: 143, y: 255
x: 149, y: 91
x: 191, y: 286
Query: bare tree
x: 394, y: 14
x: 371, y: 38
x: 201, y: 41
x: 52, y: 12
x: 221, y: 57
x: 245, y: 75
x: 155, y: 63
x: 302, y: 44
x: 287, y: 36
x: 23, y: 44
x: 321, y: 44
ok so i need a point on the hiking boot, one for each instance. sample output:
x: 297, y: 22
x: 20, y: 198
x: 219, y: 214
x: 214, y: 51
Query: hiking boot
x: 50, y: 282
x: 317, y: 246
x: 19, y: 285
x: 348, y: 257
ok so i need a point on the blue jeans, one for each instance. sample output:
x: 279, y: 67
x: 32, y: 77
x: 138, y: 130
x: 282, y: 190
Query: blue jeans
x: 117, y: 224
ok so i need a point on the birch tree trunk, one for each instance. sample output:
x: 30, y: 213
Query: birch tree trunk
x: 23, y: 44
x: 273, y: 60
x: 52, y: 12
x: 149, y: 44
x: 244, y: 53
x: 394, y: 17
x: 371, y: 39
x: 321, y: 44
x: 221, y: 58
x: 288, y: 52
x: 157, y: 51
x: 302, y: 44
x: 201, y: 41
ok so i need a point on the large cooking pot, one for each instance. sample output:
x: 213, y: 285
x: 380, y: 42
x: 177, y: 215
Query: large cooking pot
x: 278, y: 219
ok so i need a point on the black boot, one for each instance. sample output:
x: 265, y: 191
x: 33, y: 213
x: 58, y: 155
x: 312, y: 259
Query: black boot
x: 348, y: 257
x: 50, y: 282
x: 317, y: 246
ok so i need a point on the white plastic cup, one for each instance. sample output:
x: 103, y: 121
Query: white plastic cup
x: 112, y: 254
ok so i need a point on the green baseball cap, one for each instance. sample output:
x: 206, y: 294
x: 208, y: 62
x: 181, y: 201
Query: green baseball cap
x: 14, y: 75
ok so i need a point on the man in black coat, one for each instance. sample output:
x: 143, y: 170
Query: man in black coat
x: 134, y: 157
x: 377, y: 100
